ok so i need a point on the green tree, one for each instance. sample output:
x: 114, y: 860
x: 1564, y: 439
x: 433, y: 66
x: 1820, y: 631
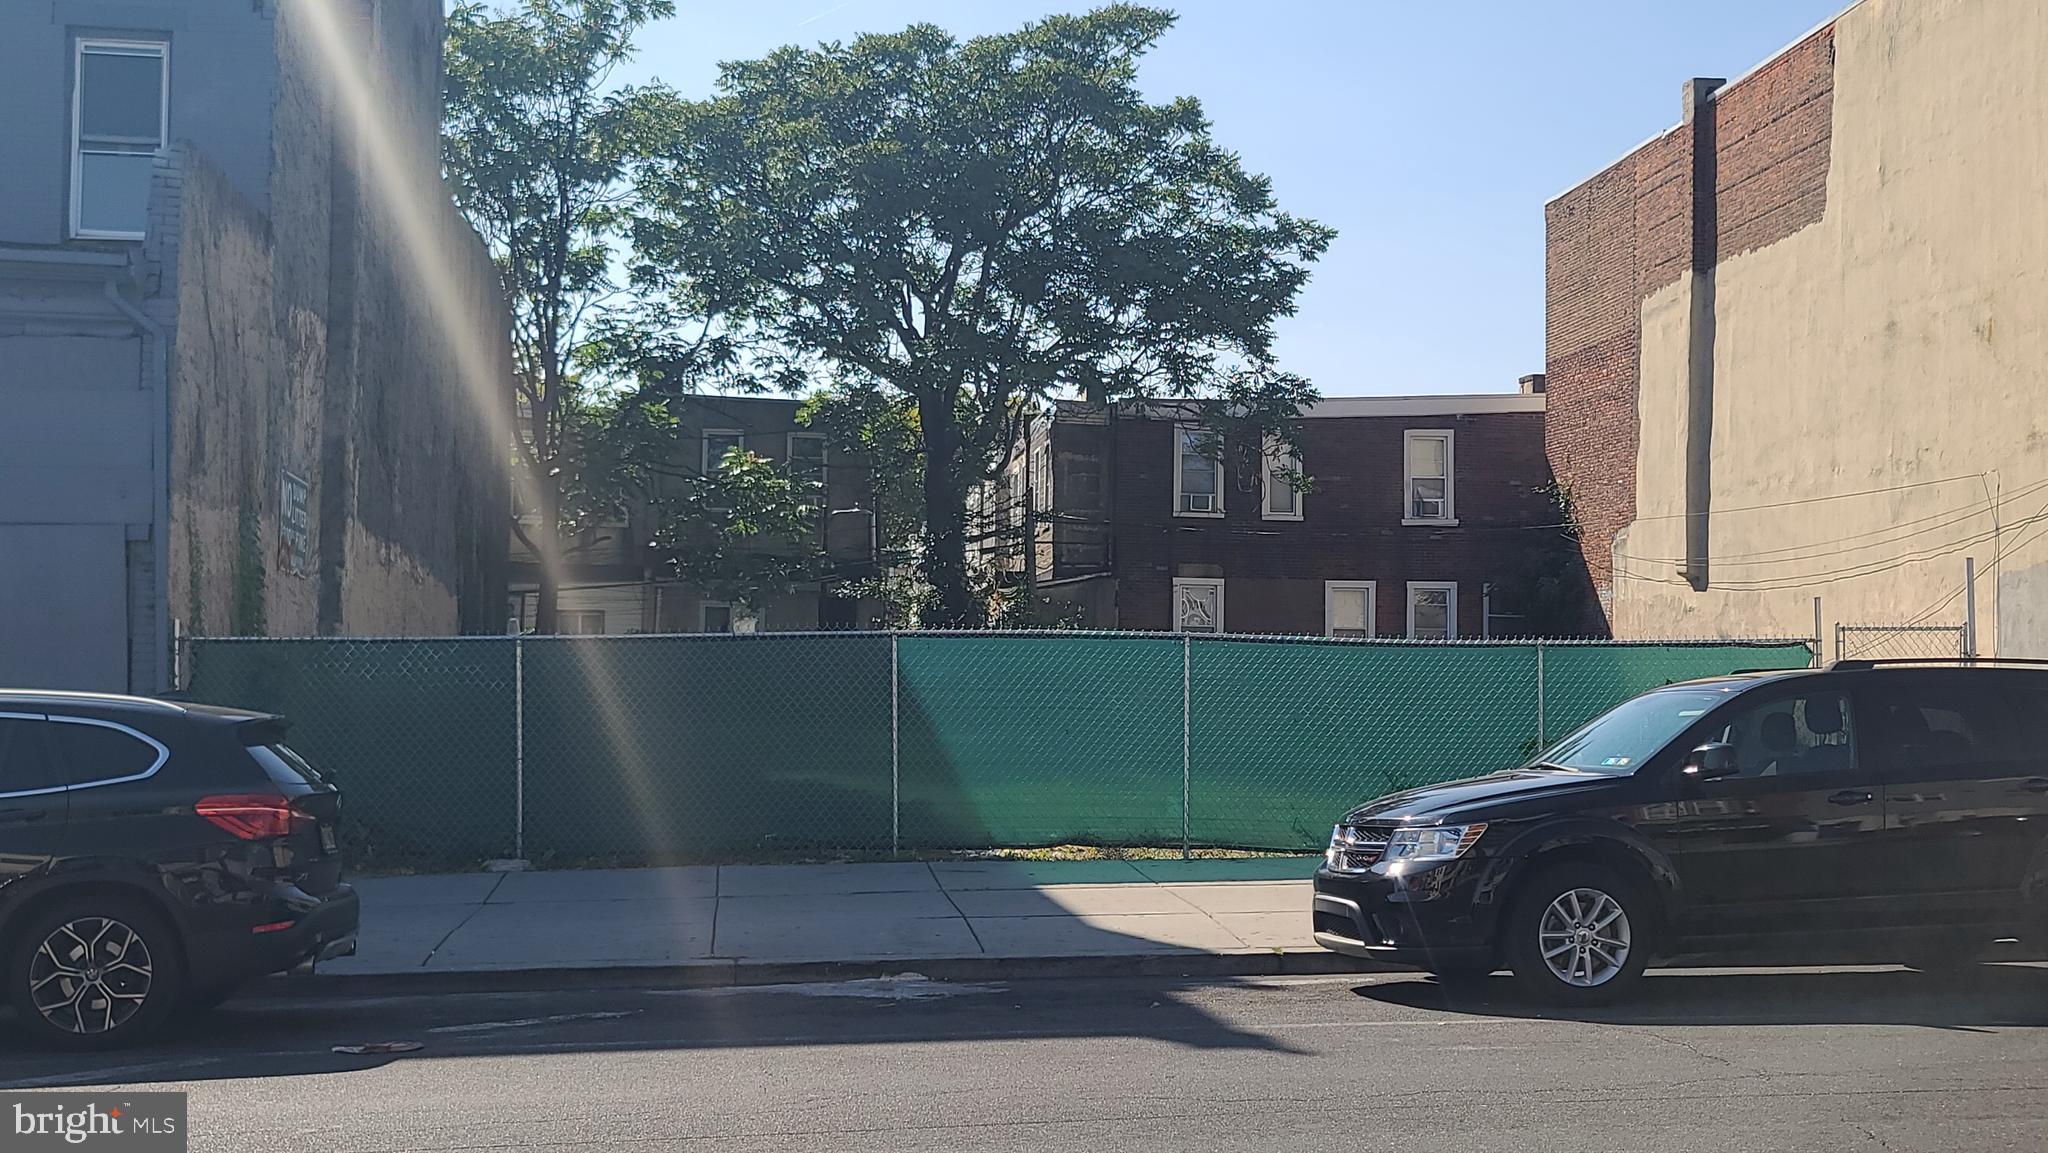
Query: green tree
x: 966, y: 226
x: 539, y: 147
x: 743, y: 532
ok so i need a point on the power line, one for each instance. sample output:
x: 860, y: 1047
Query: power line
x: 1869, y: 568
x: 1817, y: 499
x: 1800, y: 551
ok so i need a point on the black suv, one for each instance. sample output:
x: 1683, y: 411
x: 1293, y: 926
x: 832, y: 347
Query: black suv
x: 1886, y: 810
x: 153, y: 854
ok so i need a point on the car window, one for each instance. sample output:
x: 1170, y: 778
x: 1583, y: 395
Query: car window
x: 97, y: 752
x: 1791, y: 736
x: 284, y: 766
x: 1927, y: 726
x: 25, y: 761
x: 1621, y: 739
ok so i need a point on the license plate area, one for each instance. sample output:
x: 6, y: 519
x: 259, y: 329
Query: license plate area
x: 327, y: 838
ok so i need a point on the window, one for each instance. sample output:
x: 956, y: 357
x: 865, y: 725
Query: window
x: 1348, y: 608
x: 580, y: 622
x: 1920, y: 728
x: 1197, y: 606
x: 101, y: 752
x: 1432, y: 611
x: 26, y: 764
x: 1430, y: 490
x: 807, y: 460
x: 120, y: 104
x: 1197, y: 474
x: 715, y: 617
x: 718, y: 442
x: 1791, y: 736
x: 1619, y: 740
x: 1281, y: 500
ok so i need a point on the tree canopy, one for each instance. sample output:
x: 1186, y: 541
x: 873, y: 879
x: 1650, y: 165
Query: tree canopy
x: 974, y: 227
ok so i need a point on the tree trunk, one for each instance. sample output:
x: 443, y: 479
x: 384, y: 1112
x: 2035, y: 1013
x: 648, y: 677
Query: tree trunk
x: 548, y: 551
x: 945, y: 519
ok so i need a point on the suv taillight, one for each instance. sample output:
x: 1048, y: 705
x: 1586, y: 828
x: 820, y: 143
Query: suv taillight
x: 249, y: 816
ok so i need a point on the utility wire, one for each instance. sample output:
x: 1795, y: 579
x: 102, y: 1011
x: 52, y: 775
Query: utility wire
x: 1797, y: 552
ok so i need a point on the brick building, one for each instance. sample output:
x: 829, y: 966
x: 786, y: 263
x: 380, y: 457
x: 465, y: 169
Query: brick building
x: 233, y: 383
x: 1420, y: 515
x: 1794, y: 344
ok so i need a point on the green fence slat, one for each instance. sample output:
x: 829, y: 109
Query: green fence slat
x: 1289, y: 735
x: 1019, y: 741
x: 706, y: 747
x: 419, y: 734
x: 731, y: 748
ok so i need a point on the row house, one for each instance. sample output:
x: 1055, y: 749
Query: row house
x: 1390, y: 516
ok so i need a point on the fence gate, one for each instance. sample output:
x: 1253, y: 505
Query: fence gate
x: 1881, y: 642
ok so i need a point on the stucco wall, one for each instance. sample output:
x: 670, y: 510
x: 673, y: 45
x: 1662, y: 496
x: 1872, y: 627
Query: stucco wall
x: 1879, y: 376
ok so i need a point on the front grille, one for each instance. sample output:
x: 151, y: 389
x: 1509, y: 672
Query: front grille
x: 1355, y: 849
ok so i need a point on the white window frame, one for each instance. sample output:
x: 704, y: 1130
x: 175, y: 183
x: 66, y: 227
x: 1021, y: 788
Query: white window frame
x: 732, y: 617
x: 1371, y: 589
x: 582, y: 615
x: 1408, y: 478
x: 1450, y: 606
x: 1180, y: 432
x: 704, y: 445
x: 161, y: 49
x: 1182, y: 582
x: 1278, y: 455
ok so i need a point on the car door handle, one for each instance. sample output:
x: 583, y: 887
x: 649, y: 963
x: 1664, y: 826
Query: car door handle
x: 1851, y: 797
x: 2036, y: 785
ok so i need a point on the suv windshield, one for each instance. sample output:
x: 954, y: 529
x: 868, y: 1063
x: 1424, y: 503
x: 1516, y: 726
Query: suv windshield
x: 1619, y: 740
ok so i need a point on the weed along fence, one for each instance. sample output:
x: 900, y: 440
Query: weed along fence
x: 722, y: 747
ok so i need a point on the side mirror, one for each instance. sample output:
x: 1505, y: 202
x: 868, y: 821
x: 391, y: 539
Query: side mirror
x: 1711, y: 761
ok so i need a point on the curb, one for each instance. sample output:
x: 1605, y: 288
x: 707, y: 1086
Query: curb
x: 725, y: 974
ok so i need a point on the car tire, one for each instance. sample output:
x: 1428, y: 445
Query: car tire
x: 1598, y: 916
x: 95, y: 972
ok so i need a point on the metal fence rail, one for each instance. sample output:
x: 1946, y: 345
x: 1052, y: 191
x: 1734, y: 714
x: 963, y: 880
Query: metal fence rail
x: 721, y: 747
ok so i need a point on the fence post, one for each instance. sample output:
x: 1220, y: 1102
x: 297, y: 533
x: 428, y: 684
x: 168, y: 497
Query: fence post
x: 1541, y: 743
x: 518, y: 748
x: 1816, y: 633
x: 1187, y: 643
x: 1970, y: 607
x: 895, y: 756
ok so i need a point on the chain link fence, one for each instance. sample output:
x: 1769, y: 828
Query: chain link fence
x: 778, y: 745
x: 1893, y: 642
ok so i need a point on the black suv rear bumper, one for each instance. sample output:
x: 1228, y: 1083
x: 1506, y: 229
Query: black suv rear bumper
x: 321, y: 928
x: 1427, y: 919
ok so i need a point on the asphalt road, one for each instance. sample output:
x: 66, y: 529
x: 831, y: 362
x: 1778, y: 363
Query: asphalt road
x: 1707, y: 1060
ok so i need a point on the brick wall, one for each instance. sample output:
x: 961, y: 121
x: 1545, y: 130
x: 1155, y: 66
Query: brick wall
x: 1274, y: 570
x: 1626, y: 233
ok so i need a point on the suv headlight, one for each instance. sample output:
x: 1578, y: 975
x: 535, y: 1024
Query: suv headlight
x: 1440, y: 843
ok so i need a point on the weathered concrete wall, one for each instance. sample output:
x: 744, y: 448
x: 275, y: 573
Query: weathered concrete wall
x: 1879, y: 375
x: 314, y: 340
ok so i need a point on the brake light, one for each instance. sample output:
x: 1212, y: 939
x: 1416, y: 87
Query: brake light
x: 249, y: 816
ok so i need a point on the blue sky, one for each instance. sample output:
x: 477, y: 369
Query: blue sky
x: 1428, y: 134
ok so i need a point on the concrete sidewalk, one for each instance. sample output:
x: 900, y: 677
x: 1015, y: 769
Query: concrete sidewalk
x: 721, y: 924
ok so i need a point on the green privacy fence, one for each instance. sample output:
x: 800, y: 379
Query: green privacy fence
x: 717, y: 747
